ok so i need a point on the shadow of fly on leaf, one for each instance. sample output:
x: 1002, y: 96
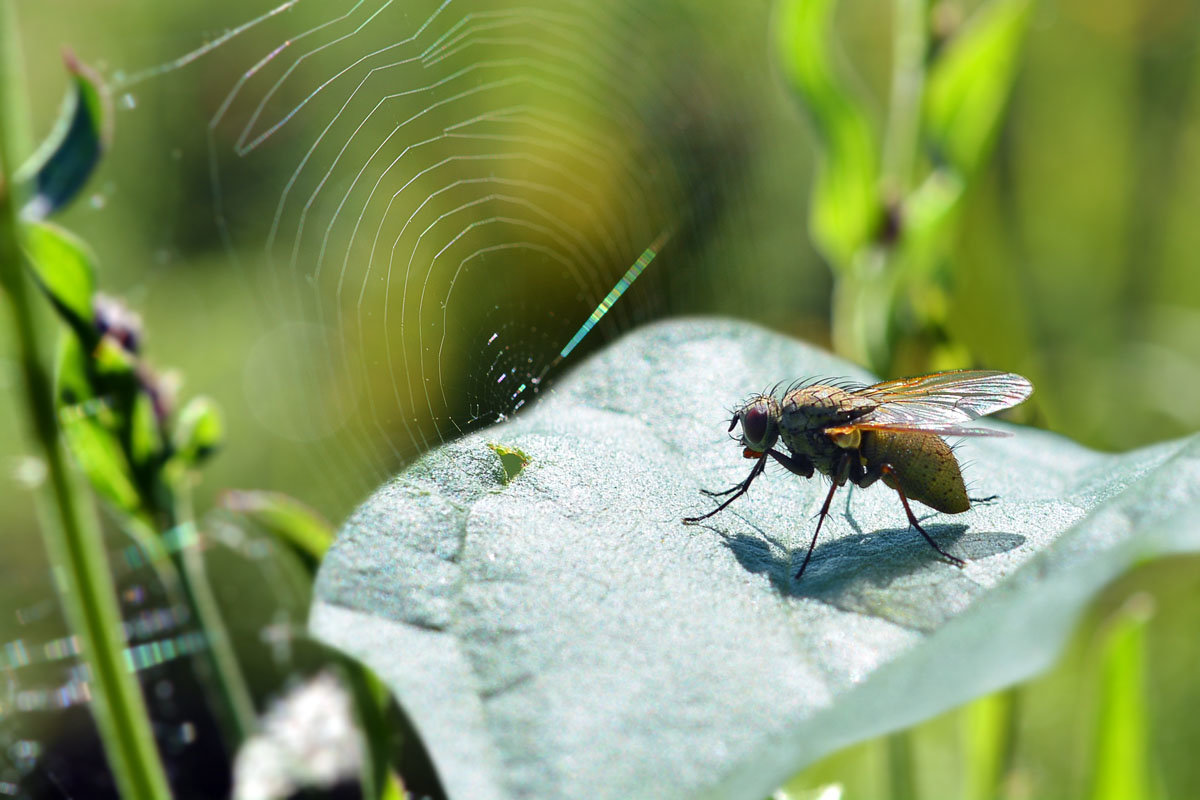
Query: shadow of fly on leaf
x: 891, y: 431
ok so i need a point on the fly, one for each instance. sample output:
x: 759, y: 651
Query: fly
x: 891, y: 431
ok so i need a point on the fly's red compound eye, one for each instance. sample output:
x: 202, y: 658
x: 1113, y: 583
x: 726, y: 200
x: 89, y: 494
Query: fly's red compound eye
x: 754, y: 424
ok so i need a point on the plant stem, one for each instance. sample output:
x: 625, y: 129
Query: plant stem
x: 72, y: 536
x: 991, y: 742
x: 902, y: 780
x: 379, y: 781
x: 189, y: 560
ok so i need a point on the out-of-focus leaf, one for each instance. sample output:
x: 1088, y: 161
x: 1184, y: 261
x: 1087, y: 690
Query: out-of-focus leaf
x: 99, y: 455
x: 112, y: 361
x: 72, y: 385
x: 199, y: 431
x: 989, y: 744
x: 294, y: 524
x: 146, y: 442
x: 61, y: 166
x: 564, y: 635
x: 65, y: 270
x: 969, y: 83
x: 1120, y: 768
x: 846, y: 213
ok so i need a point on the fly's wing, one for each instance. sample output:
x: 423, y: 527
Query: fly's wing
x: 943, y: 402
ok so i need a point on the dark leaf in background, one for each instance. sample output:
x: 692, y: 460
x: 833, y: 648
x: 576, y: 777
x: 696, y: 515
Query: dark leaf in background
x: 62, y: 165
x: 564, y: 635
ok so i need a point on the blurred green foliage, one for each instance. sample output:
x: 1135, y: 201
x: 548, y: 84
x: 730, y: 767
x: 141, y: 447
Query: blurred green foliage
x: 1071, y: 258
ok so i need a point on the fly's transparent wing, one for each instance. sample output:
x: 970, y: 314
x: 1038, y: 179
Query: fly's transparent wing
x: 941, y: 402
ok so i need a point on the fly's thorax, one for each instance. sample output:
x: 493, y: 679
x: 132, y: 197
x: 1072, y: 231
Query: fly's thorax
x: 759, y: 418
x: 811, y: 408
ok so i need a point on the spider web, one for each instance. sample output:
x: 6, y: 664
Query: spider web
x: 454, y: 194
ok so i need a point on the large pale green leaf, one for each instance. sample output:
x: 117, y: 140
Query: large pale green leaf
x: 559, y: 633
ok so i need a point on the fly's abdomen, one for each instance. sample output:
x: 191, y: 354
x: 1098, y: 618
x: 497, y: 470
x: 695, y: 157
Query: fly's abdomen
x: 926, y: 469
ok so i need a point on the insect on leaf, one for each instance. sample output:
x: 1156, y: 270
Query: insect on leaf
x: 565, y: 635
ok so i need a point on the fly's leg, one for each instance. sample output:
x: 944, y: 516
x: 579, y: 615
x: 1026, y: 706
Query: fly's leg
x: 738, y: 491
x: 799, y: 465
x: 723, y: 492
x: 838, y: 479
x: 991, y: 498
x: 888, y: 473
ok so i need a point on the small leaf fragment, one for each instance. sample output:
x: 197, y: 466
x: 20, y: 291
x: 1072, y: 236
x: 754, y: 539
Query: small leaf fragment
x: 64, y: 268
x: 63, y: 163
x: 512, y: 460
x: 199, y: 431
x: 292, y: 523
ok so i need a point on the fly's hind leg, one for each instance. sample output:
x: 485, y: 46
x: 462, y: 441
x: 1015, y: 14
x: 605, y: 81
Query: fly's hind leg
x: 840, y: 473
x: 888, y: 473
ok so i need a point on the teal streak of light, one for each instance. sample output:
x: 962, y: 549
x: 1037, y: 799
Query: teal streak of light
x: 626, y: 281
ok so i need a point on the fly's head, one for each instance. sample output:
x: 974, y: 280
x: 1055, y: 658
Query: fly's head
x: 759, y: 418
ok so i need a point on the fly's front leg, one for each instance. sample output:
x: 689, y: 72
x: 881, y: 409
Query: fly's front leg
x: 738, y: 490
x: 799, y: 465
x: 888, y: 473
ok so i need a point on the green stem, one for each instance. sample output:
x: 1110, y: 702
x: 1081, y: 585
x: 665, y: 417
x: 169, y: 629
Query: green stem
x: 231, y: 683
x: 902, y: 779
x: 379, y: 781
x: 72, y: 536
x: 909, y: 44
x: 991, y: 743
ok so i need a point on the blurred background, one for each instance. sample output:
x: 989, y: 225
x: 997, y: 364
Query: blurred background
x: 364, y: 228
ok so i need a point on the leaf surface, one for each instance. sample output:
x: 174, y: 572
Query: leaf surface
x: 562, y: 634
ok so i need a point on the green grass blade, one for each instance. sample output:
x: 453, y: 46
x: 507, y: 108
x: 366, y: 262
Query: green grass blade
x: 1120, y: 767
x: 845, y: 211
x: 970, y: 82
x: 990, y: 723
